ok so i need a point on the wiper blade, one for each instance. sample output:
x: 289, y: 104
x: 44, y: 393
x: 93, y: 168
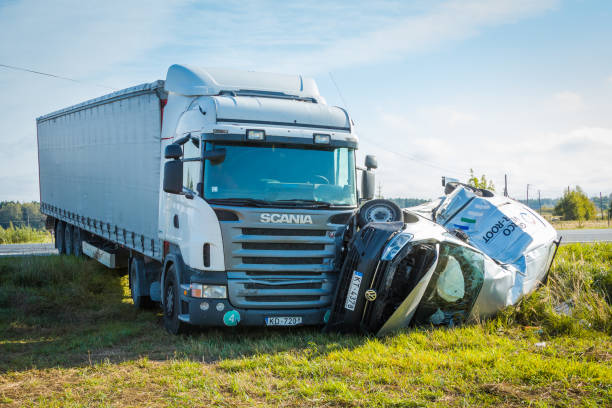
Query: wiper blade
x: 298, y: 201
x: 240, y: 201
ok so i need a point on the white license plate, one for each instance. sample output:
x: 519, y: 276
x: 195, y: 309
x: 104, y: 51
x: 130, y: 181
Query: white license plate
x: 353, y: 291
x: 283, y: 321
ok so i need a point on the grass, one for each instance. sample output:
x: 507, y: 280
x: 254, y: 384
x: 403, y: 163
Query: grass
x: 22, y: 235
x: 69, y: 336
x: 574, y: 224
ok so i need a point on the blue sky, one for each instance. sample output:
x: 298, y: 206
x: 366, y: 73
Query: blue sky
x: 435, y: 87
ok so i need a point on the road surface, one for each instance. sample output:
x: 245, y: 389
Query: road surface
x: 27, y: 249
x: 586, y: 235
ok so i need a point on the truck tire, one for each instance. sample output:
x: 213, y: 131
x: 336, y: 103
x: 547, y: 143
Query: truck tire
x: 60, y: 237
x: 172, y: 303
x: 136, y: 273
x: 77, y: 242
x: 69, y: 247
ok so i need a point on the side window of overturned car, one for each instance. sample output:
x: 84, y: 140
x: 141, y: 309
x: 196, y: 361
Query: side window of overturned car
x: 453, y: 288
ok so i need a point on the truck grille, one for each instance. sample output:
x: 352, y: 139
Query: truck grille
x: 279, y: 266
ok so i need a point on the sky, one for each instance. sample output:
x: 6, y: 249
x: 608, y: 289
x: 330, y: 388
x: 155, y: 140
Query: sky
x: 435, y: 88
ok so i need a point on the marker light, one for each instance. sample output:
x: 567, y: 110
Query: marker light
x: 397, y: 243
x: 208, y: 291
x: 320, y: 138
x: 255, y: 134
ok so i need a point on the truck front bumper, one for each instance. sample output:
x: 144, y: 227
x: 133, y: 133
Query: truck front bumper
x: 220, y: 313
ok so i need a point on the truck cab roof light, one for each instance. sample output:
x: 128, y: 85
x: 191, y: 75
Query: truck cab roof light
x: 321, y: 138
x: 255, y: 134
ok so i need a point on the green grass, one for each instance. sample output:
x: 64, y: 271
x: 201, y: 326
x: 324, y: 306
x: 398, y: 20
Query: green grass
x: 22, y: 235
x: 69, y: 336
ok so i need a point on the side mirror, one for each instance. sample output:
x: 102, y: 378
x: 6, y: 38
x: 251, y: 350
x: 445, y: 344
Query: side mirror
x: 371, y: 162
x: 368, y: 184
x: 215, y: 156
x: 173, y: 176
x: 173, y: 151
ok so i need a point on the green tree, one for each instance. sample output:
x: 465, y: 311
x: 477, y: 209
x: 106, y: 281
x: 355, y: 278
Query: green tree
x: 575, y: 205
x: 480, y: 183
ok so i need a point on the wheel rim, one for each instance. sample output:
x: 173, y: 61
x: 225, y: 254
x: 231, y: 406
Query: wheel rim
x: 170, y: 300
x: 380, y: 213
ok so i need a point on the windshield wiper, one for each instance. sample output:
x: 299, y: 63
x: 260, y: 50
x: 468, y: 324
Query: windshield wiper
x: 240, y: 201
x: 310, y: 203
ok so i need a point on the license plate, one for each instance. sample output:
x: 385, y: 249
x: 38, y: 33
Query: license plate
x: 283, y: 321
x: 353, y: 292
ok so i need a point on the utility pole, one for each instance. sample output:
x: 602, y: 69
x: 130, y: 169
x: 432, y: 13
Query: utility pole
x: 380, y: 190
x: 539, y: 202
x: 505, y: 185
x: 527, y: 195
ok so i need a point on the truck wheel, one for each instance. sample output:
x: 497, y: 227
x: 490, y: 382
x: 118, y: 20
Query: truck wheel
x: 68, y: 239
x: 60, y: 236
x: 136, y: 272
x: 77, y: 242
x: 172, y: 303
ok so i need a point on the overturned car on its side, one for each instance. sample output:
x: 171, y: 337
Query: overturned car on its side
x: 468, y: 254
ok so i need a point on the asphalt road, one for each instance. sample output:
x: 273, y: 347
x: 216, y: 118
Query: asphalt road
x: 586, y: 235
x: 569, y: 236
x: 27, y: 249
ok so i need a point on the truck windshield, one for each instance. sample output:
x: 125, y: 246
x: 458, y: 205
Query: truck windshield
x: 291, y: 175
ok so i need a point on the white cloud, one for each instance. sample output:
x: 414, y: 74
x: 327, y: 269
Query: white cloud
x: 569, y: 101
x: 347, y: 38
x: 549, y: 161
x: 122, y: 43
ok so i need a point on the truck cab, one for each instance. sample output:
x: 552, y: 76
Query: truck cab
x: 258, y: 181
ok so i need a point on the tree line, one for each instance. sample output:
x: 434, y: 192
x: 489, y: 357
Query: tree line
x: 21, y: 215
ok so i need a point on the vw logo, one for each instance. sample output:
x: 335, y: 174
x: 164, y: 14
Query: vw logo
x: 370, y: 295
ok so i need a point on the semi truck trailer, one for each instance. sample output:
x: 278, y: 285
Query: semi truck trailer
x: 221, y: 192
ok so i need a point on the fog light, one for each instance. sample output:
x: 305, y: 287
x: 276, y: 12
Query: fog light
x: 204, y: 306
x: 321, y: 138
x: 208, y: 291
x: 255, y: 134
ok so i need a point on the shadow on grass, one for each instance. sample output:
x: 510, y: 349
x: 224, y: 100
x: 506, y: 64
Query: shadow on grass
x: 62, y: 311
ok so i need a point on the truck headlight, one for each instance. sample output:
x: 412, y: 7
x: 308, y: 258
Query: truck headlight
x: 395, y: 245
x: 208, y: 291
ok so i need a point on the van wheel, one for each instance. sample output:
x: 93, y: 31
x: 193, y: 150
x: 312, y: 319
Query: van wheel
x: 68, y: 240
x: 379, y: 210
x: 172, y: 303
x: 136, y: 272
x: 77, y: 242
x: 60, y: 237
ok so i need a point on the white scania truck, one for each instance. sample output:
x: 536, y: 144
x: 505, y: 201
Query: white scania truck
x: 221, y: 191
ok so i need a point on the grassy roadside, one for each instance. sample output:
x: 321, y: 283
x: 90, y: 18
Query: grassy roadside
x: 590, y: 224
x: 23, y: 235
x: 69, y: 336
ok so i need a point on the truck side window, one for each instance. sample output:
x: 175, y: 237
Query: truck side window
x: 191, y: 170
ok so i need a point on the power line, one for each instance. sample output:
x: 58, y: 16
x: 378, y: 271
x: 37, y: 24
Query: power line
x: 338, y: 89
x: 54, y: 76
